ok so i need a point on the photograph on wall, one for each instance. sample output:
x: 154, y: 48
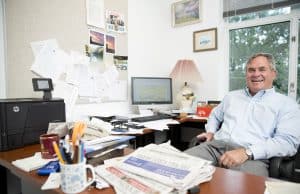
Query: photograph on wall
x: 96, y: 38
x: 121, y: 62
x: 115, y: 22
x: 205, y: 40
x: 186, y: 12
x: 110, y: 44
x: 95, y: 53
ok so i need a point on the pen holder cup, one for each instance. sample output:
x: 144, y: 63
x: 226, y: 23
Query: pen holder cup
x: 74, y: 177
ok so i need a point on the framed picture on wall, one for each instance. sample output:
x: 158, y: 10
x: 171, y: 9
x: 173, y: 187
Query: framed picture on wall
x: 205, y: 40
x: 110, y: 44
x: 186, y: 12
x: 96, y: 38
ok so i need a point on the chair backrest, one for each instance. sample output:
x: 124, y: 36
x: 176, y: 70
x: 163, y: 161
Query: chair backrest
x: 296, y: 170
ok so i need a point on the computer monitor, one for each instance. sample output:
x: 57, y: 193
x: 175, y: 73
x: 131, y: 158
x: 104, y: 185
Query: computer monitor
x: 151, y: 90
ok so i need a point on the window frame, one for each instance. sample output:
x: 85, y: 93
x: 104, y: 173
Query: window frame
x: 294, y: 19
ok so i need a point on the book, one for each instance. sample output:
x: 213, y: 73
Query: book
x: 92, y: 150
x: 108, y: 154
x: 31, y: 163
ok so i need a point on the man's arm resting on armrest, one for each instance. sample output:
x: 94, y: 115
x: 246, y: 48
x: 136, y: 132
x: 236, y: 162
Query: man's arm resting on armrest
x: 207, y: 136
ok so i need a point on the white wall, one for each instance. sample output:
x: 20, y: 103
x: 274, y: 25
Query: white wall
x: 155, y: 46
x: 2, y: 51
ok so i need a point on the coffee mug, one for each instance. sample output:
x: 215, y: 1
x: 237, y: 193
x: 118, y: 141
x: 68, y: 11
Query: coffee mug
x: 74, y: 177
x: 46, y: 141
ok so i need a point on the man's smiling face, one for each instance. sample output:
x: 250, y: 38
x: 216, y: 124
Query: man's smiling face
x: 259, y: 75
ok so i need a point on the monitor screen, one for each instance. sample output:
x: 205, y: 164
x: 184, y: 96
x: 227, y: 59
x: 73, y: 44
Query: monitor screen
x: 151, y: 90
x: 42, y: 84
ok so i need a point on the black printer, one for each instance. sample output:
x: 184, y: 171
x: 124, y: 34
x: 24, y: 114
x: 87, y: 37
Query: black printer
x: 23, y: 120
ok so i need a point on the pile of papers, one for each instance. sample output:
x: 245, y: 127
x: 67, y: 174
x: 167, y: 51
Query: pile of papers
x: 280, y: 187
x: 155, y: 169
x: 100, y: 145
x: 31, y: 163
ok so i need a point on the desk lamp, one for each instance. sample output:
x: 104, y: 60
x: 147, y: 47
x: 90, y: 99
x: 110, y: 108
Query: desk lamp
x: 184, y: 72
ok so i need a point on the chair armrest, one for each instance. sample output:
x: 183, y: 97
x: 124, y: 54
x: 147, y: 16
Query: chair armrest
x: 274, y: 167
x: 287, y: 168
x: 296, y: 170
x: 195, y: 141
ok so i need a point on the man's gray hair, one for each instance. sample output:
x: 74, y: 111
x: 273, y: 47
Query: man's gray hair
x: 268, y: 56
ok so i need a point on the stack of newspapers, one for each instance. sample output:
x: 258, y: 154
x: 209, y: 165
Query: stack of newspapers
x: 155, y: 169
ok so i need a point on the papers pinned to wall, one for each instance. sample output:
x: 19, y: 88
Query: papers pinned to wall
x: 69, y: 93
x: 76, y: 76
x: 115, y: 22
x: 50, y: 61
x: 39, y: 45
x: 95, y: 13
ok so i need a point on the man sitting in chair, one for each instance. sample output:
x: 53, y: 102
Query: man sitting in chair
x: 257, y: 123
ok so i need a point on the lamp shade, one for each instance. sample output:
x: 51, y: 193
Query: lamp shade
x: 186, y: 71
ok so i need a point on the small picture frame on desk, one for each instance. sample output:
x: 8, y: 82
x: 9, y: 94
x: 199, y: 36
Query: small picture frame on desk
x: 203, y: 109
x: 213, y: 103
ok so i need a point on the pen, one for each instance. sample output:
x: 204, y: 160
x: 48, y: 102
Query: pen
x: 75, y: 133
x: 57, y: 152
x: 61, y: 149
x: 82, y: 151
x: 67, y: 143
x: 76, y: 153
x: 68, y: 156
x: 78, y: 131
x: 79, y: 152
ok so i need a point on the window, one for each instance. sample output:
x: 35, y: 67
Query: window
x: 259, y: 14
x: 270, y: 38
x: 268, y: 30
x: 298, y: 66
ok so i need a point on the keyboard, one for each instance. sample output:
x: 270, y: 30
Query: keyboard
x: 152, y: 118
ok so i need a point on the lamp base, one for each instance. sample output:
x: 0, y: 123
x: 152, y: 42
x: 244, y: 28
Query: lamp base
x: 186, y: 98
x: 186, y: 107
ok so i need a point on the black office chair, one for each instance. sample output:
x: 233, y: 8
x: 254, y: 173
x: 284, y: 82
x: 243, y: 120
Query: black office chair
x: 286, y: 168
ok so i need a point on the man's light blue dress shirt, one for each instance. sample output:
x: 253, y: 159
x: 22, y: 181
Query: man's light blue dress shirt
x: 267, y: 123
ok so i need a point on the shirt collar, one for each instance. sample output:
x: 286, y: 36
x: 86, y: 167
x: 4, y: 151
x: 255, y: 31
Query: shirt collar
x: 260, y: 93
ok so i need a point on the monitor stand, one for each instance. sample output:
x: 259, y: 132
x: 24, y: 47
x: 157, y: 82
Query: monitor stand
x: 47, y: 95
x: 144, y: 110
x: 151, y: 109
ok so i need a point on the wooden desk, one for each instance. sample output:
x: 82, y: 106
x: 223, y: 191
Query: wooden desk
x: 224, y: 181
x: 181, y: 134
x: 144, y: 139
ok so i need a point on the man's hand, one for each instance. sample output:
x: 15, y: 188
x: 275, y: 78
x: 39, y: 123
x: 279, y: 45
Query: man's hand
x: 206, y: 136
x: 233, y: 158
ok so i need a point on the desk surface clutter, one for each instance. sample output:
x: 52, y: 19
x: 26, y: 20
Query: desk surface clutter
x: 223, y: 180
x: 153, y: 168
x: 31, y: 163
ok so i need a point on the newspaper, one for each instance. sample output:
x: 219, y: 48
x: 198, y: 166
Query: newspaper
x: 279, y: 187
x: 177, y: 170
x: 158, y: 168
x: 129, y: 183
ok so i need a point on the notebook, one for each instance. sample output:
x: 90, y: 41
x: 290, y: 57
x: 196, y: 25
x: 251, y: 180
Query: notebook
x: 31, y: 163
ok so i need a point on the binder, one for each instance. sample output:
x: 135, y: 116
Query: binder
x: 98, y: 160
x: 95, y: 149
